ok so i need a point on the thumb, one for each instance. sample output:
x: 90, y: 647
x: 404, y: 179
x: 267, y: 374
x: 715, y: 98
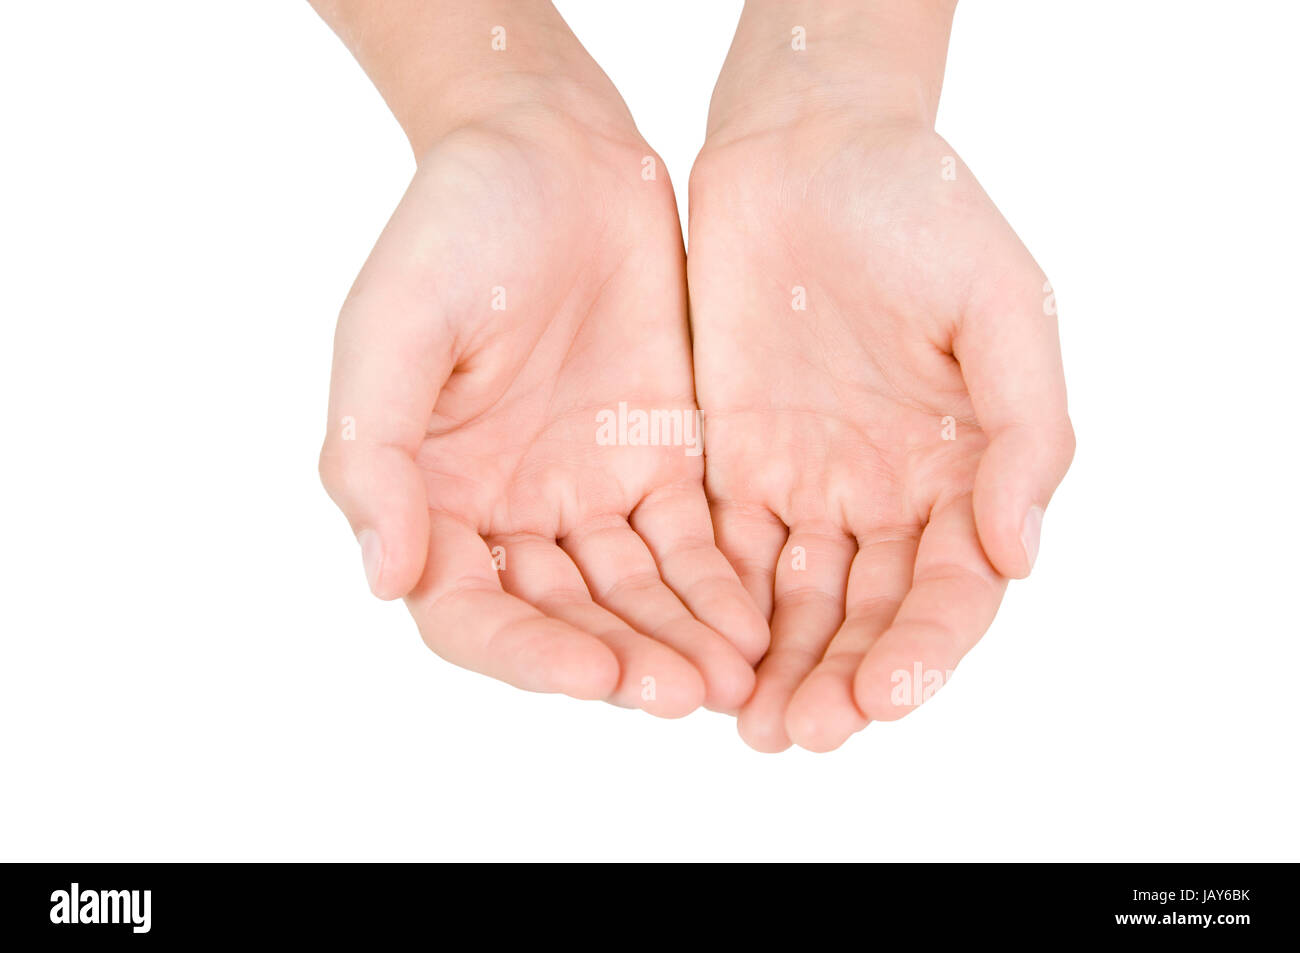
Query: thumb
x: 1010, y: 355
x: 392, y: 355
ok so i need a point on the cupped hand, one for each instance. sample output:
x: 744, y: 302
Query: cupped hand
x: 531, y: 281
x: 878, y: 366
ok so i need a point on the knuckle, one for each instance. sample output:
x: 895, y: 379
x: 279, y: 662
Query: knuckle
x: 333, y: 468
x: 1065, y: 443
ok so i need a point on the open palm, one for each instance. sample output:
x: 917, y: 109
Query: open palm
x: 884, y: 410
x: 531, y: 282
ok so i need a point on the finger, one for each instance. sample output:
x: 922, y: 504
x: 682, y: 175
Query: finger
x: 1010, y: 356
x: 392, y: 354
x: 810, y: 582
x: 823, y: 713
x: 653, y: 676
x: 955, y: 594
x: 465, y: 617
x: 676, y: 527
x: 750, y: 538
x: 622, y: 576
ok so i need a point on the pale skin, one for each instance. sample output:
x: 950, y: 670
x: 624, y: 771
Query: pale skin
x: 873, y: 353
x: 877, y: 463
x: 530, y: 278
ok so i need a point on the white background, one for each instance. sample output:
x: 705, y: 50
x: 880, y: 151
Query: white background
x: 191, y: 666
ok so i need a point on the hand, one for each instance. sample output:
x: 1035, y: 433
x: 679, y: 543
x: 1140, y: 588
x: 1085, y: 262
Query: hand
x: 531, y: 279
x: 879, y: 461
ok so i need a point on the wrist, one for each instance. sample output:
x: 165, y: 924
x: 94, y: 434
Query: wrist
x: 521, y: 101
x: 444, y: 64
x: 878, y: 60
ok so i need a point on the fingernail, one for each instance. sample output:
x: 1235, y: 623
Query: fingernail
x: 372, y: 555
x: 1030, y: 533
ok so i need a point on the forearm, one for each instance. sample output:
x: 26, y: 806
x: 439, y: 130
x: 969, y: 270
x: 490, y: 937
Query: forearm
x: 884, y: 58
x: 440, y: 64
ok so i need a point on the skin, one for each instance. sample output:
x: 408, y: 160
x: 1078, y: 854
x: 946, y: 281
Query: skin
x: 874, y: 354
x: 474, y: 427
x: 877, y: 546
